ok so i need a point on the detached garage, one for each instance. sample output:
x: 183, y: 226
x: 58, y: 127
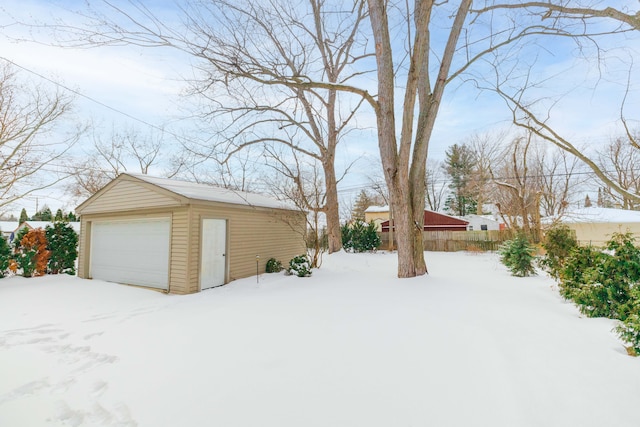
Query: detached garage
x: 182, y: 237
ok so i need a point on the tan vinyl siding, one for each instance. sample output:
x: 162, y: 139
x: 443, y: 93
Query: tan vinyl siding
x: 83, y: 249
x: 250, y: 231
x: 194, y: 250
x: 127, y: 196
x: 270, y: 238
x: 179, y: 269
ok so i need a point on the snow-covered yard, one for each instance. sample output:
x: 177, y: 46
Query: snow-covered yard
x: 467, y: 345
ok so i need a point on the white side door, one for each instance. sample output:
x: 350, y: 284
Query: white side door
x: 213, y: 264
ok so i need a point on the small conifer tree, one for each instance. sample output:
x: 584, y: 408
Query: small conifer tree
x: 517, y: 255
x: 362, y: 203
x: 63, y: 244
x: 23, y: 216
x: 360, y: 237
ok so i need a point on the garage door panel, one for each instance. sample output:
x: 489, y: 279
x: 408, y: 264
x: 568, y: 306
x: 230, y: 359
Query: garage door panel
x: 133, y: 252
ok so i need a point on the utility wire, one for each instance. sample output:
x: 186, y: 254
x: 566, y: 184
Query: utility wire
x: 89, y: 98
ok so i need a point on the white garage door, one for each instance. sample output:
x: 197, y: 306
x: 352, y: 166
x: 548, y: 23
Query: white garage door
x: 134, y: 252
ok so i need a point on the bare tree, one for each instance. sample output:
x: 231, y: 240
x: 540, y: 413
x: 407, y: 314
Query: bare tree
x: 560, y: 177
x: 124, y: 150
x: 418, y: 64
x: 267, y: 69
x: 587, y: 26
x: 556, y: 11
x: 404, y: 161
x: 302, y: 185
x: 487, y: 152
x: 518, y: 194
x: 376, y: 183
x: 273, y: 72
x: 242, y: 172
x: 436, y: 185
x: 621, y: 163
x: 33, y: 137
x: 533, y: 181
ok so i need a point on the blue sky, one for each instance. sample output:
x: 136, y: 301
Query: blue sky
x: 146, y: 83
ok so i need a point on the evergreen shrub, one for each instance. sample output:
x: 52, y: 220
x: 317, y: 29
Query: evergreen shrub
x: 517, y: 255
x: 63, y: 244
x: 360, y: 236
x: 629, y: 332
x: 5, y: 256
x: 629, y: 329
x: 300, y: 266
x: 273, y: 266
x: 580, y: 269
x: 607, y: 284
x: 558, y: 243
x: 601, y: 282
x: 18, y: 238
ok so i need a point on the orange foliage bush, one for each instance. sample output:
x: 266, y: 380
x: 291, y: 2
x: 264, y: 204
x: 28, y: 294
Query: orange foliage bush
x: 33, y: 255
x: 13, y: 265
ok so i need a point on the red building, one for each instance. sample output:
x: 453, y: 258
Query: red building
x: 434, y: 221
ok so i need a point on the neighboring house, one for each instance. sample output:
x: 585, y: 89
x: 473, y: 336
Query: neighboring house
x: 433, y: 221
x: 182, y: 237
x: 482, y: 223
x: 377, y: 214
x: 7, y: 228
x: 596, y: 225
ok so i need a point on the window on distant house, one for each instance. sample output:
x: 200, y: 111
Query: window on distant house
x: 483, y: 227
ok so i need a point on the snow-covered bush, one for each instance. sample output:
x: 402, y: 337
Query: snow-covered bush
x: 601, y: 282
x: 5, y: 256
x: 517, y: 255
x: 629, y: 331
x: 273, y: 266
x: 360, y: 236
x: 300, y: 266
x: 63, y: 244
x: 607, y: 284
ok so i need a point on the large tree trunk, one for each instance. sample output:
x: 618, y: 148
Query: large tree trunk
x: 395, y: 175
x: 405, y: 165
x: 332, y: 213
x: 331, y: 184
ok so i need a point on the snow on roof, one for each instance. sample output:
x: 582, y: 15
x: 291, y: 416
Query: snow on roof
x: 8, y: 226
x: 210, y: 193
x: 600, y: 215
x: 377, y: 209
